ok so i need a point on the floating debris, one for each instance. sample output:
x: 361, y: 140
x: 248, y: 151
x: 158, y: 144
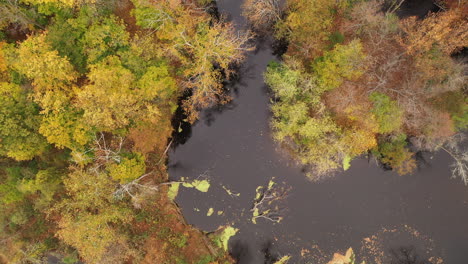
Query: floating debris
x: 231, y: 193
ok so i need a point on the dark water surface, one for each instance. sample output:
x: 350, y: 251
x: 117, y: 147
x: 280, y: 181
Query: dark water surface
x: 232, y: 146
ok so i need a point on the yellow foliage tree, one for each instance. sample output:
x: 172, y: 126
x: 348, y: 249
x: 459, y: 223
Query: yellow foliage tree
x: 108, y: 101
x: 90, y: 216
x: 43, y: 65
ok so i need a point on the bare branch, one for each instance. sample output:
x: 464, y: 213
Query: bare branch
x: 266, y: 203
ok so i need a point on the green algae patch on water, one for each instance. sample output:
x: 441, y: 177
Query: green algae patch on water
x: 271, y: 183
x: 346, y: 162
x: 210, y: 212
x: 258, y: 193
x: 173, y: 191
x: 200, y: 185
x: 222, y: 236
x: 255, y: 214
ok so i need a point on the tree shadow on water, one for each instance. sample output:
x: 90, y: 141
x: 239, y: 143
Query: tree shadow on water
x: 239, y: 80
x: 209, y: 115
x: 240, y: 252
x: 406, y: 255
x: 269, y: 257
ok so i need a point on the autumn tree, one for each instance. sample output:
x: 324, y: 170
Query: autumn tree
x: 38, y: 61
x: 108, y: 101
x: 90, y: 216
x: 356, y: 79
x: 446, y: 30
x: 206, y: 48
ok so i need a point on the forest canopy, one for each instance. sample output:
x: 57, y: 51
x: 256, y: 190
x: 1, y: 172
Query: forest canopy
x: 357, y: 79
x: 88, y: 89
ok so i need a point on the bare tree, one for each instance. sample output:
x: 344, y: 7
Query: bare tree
x: 454, y: 146
x: 104, y: 151
x: 460, y: 165
x: 267, y: 201
x: 262, y: 14
x: 11, y: 11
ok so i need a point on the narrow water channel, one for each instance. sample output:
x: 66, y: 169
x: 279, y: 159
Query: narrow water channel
x: 366, y: 208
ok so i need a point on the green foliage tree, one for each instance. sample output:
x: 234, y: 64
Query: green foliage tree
x: 284, y: 81
x: 388, y: 115
x: 104, y: 38
x: 157, y: 83
x: 9, y: 192
x: 299, y: 120
x: 66, y: 129
x: 19, y: 137
x: 70, y: 43
x: 344, y: 62
x: 128, y: 169
x: 393, y: 151
x: 45, y: 185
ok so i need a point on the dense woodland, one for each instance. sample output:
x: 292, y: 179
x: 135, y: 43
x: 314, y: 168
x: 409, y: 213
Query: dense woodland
x: 356, y: 79
x: 88, y: 91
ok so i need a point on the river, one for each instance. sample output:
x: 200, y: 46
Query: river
x: 374, y: 211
